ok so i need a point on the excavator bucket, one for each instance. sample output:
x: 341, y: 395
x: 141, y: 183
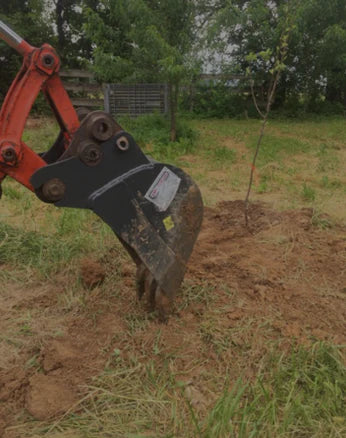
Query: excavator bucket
x: 155, y: 209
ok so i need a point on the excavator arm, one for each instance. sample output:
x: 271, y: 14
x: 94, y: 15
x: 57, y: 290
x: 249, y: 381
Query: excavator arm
x: 154, y: 209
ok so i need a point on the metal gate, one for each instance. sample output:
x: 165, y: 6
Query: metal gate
x: 137, y: 99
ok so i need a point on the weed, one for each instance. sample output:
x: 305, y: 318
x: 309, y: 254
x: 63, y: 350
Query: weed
x: 12, y: 192
x: 220, y: 421
x: 193, y: 294
x: 219, y: 338
x: 321, y: 220
x: 72, y: 298
x: 328, y: 183
x: 33, y: 362
x: 72, y: 221
x: 224, y: 154
x: 263, y: 185
x: 25, y: 329
x: 223, y: 339
x: 308, y: 193
x: 157, y: 344
x: 328, y: 160
x: 136, y: 322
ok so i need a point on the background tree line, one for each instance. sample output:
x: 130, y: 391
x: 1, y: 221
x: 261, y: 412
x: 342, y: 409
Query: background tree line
x: 160, y: 40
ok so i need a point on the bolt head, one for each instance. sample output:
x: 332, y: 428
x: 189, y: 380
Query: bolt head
x: 48, y: 61
x: 90, y: 153
x: 53, y: 190
x: 9, y: 154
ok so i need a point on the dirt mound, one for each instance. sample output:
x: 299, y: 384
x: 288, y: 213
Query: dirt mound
x: 92, y: 273
x: 283, y: 265
x: 282, y: 281
x: 48, y: 397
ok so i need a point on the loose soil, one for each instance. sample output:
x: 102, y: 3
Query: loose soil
x: 92, y: 273
x: 280, y: 283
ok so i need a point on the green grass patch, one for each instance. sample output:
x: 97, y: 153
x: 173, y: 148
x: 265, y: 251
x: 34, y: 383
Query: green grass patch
x: 302, y: 395
x: 152, y: 133
x: 328, y: 160
x: 273, y: 147
x: 77, y: 233
x: 224, y: 155
x: 40, y: 139
x: 330, y: 183
x: 45, y: 252
x: 12, y: 192
x: 308, y: 193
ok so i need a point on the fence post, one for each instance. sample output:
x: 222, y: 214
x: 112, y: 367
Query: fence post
x: 166, y: 105
x: 107, y: 91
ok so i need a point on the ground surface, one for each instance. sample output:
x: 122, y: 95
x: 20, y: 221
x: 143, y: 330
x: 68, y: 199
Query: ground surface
x: 80, y: 357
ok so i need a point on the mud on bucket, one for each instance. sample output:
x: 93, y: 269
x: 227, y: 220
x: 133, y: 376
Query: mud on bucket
x: 158, y: 217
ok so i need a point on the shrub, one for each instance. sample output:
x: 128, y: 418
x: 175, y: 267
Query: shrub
x: 153, y: 129
x: 219, y: 101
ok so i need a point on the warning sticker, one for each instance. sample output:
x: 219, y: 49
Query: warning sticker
x: 163, y: 189
x: 168, y: 223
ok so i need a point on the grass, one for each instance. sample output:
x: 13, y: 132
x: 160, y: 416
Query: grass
x: 34, y: 249
x: 308, y: 193
x: 302, y: 395
x: 196, y: 294
x: 152, y: 133
x: 141, y: 392
x: 300, y: 163
x: 217, y: 153
x: 274, y: 147
x: 76, y: 235
x: 296, y: 395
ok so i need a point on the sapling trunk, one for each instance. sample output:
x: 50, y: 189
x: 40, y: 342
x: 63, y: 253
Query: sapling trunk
x: 278, y: 67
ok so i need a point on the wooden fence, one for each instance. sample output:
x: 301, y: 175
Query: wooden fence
x: 83, y: 90
x: 117, y: 99
x: 121, y: 99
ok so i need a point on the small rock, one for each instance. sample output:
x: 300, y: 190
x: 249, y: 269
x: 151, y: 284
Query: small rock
x: 195, y: 397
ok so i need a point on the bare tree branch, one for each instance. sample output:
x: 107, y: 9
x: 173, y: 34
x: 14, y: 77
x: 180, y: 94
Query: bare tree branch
x: 255, y: 100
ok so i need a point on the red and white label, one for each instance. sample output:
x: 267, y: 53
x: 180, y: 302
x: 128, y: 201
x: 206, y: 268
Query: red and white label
x: 163, y: 189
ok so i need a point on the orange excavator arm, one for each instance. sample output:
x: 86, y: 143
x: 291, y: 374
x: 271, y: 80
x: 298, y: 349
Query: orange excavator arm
x: 155, y: 209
